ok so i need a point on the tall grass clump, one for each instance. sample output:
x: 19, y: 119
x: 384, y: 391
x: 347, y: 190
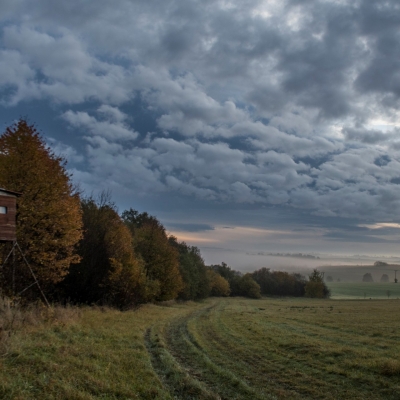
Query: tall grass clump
x: 390, y: 368
x: 16, y: 317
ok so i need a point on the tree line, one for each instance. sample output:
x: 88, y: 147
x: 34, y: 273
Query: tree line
x: 82, y: 250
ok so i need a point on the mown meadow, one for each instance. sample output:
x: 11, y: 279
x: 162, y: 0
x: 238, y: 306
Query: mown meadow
x: 364, y: 290
x: 230, y: 348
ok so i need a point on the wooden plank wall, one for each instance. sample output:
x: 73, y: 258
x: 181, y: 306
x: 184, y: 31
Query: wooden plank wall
x: 8, y: 221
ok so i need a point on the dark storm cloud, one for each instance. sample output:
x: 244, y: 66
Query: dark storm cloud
x: 261, y: 103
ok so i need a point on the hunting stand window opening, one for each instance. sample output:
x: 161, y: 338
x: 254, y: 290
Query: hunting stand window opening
x: 8, y: 215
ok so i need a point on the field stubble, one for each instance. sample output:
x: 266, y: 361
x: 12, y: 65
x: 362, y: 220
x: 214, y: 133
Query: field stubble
x: 219, y: 349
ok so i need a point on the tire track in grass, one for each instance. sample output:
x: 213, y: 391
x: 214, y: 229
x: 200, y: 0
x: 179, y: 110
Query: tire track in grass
x: 176, y: 379
x: 193, y: 356
x: 234, y: 354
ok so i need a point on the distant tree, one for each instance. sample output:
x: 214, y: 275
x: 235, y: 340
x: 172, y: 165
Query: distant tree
x: 384, y: 278
x: 232, y: 276
x: 193, y: 271
x: 367, y: 277
x: 380, y: 264
x: 161, y: 259
x: 49, y: 221
x: 218, y: 285
x: 248, y: 287
x: 278, y: 283
x: 329, y: 278
x: 315, y: 286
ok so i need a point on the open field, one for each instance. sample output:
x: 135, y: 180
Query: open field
x: 230, y: 348
x: 355, y: 273
x: 364, y: 290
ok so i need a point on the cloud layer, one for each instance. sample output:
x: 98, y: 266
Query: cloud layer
x: 281, y: 103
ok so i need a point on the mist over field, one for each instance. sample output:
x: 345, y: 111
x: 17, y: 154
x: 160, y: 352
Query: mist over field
x: 347, y: 268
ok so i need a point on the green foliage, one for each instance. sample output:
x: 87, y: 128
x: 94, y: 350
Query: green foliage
x: 316, y: 287
x: 109, y: 270
x: 160, y: 258
x: 239, y: 285
x: 278, y: 283
x: 248, y: 287
x: 232, y: 276
x: 193, y: 271
x: 219, y: 286
x: 48, y: 212
x: 316, y: 276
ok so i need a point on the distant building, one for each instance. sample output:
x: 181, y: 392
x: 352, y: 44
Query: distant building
x: 8, y: 215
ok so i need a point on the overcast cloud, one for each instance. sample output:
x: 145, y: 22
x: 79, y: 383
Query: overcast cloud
x: 260, y: 107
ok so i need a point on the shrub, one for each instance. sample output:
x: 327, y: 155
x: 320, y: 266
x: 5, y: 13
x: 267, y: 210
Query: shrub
x: 315, y: 287
x: 367, y: 278
x: 219, y: 286
x: 248, y: 287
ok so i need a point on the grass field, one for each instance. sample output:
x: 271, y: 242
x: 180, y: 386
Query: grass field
x: 364, y: 290
x: 230, y: 348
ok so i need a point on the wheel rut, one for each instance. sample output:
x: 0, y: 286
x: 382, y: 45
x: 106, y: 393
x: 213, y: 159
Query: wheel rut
x: 182, y: 383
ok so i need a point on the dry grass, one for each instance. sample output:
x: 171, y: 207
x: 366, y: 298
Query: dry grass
x: 390, y: 368
x: 218, y: 349
x: 17, y: 318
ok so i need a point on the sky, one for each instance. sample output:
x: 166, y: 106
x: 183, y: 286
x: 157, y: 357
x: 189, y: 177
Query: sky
x: 245, y: 126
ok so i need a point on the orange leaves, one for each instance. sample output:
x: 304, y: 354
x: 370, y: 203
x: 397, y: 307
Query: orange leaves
x: 48, y: 216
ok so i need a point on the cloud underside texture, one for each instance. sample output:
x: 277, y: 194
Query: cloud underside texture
x: 279, y: 102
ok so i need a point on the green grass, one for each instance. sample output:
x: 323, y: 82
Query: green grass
x: 219, y: 349
x: 348, y: 290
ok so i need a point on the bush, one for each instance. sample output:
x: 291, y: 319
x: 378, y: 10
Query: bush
x: 248, y: 287
x: 367, y: 278
x: 218, y: 285
x: 315, y: 287
x: 385, y: 278
x: 314, y: 290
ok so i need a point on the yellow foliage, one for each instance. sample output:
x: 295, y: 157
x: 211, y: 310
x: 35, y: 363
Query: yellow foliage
x: 48, y: 216
x: 219, y: 286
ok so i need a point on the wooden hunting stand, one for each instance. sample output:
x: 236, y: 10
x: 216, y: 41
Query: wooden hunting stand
x: 8, y: 234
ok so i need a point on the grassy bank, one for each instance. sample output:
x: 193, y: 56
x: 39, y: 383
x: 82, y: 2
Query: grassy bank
x: 219, y: 349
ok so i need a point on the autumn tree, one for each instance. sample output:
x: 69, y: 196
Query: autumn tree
x: 160, y: 258
x: 48, y: 212
x: 232, y: 276
x: 219, y: 286
x: 109, y: 271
